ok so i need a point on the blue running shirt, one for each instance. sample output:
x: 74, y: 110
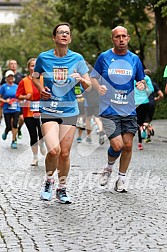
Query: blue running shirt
x: 118, y: 73
x: 9, y: 91
x: 56, y: 72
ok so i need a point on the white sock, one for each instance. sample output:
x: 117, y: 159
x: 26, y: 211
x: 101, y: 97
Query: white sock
x: 50, y: 177
x: 36, y: 156
x: 109, y: 165
x: 60, y: 186
x: 122, y: 176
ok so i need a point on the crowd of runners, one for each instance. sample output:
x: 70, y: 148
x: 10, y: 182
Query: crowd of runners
x: 62, y: 92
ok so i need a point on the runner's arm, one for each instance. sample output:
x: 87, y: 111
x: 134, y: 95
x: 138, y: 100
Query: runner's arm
x: 101, y: 89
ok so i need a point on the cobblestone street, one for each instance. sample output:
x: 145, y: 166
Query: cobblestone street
x: 99, y: 219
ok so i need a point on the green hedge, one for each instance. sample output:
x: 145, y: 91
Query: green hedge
x: 161, y: 106
x: 161, y: 109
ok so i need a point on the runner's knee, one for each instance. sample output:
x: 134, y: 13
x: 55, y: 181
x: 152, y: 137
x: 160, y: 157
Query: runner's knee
x: 113, y: 153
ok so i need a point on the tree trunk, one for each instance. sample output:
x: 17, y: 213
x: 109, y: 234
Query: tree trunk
x: 161, y: 38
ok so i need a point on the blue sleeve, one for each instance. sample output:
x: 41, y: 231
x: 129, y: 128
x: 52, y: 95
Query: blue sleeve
x: 2, y: 90
x: 38, y: 65
x: 140, y: 71
x: 82, y: 68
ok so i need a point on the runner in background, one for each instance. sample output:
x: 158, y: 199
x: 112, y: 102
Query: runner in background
x: 12, y: 65
x: 155, y: 96
x: 28, y: 93
x: 11, y: 107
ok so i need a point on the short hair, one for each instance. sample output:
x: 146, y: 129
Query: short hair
x: 118, y: 27
x: 29, y: 61
x: 147, y: 71
x: 9, y: 61
x: 55, y: 29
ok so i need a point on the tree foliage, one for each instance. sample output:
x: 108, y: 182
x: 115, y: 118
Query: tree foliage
x: 92, y: 21
x: 32, y: 32
x: 163, y: 5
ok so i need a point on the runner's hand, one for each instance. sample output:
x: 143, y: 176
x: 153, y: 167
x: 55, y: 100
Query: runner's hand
x: 141, y: 85
x: 76, y: 75
x: 45, y: 95
x: 102, y: 89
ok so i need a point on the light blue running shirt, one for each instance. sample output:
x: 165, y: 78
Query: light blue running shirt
x: 56, y: 72
x: 142, y: 97
x: 118, y: 73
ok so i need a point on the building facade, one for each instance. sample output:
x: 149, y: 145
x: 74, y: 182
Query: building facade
x: 9, y: 10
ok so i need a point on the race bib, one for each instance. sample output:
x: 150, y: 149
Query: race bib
x: 34, y: 106
x: 119, y: 96
x: 13, y: 106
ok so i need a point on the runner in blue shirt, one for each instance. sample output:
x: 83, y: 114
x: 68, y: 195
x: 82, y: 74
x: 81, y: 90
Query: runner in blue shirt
x: 113, y: 76
x: 62, y: 69
x: 11, y: 107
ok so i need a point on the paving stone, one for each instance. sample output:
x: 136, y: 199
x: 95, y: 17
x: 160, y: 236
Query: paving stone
x: 99, y: 219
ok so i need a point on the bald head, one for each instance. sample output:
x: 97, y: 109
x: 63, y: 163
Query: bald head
x: 120, y: 39
x: 119, y: 28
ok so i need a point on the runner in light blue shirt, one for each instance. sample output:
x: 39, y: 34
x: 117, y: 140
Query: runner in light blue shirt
x: 57, y: 77
x: 62, y: 69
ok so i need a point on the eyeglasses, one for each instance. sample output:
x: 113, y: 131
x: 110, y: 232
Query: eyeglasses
x: 63, y: 32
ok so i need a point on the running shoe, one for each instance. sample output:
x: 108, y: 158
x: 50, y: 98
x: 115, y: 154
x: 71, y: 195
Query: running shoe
x: 4, y: 136
x: 148, y: 140
x: 120, y: 186
x: 34, y: 162
x: 79, y: 140
x: 140, y: 146
x: 19, y: 134
x: 101, y: 137
x: 47, y: 190
x: 89, y: 140
x: 14, y: 145
x: 105, y: 175
x: 61, y: 195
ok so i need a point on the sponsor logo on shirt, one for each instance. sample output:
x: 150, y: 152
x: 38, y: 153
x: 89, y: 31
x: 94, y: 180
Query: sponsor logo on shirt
x: 120, y: 72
